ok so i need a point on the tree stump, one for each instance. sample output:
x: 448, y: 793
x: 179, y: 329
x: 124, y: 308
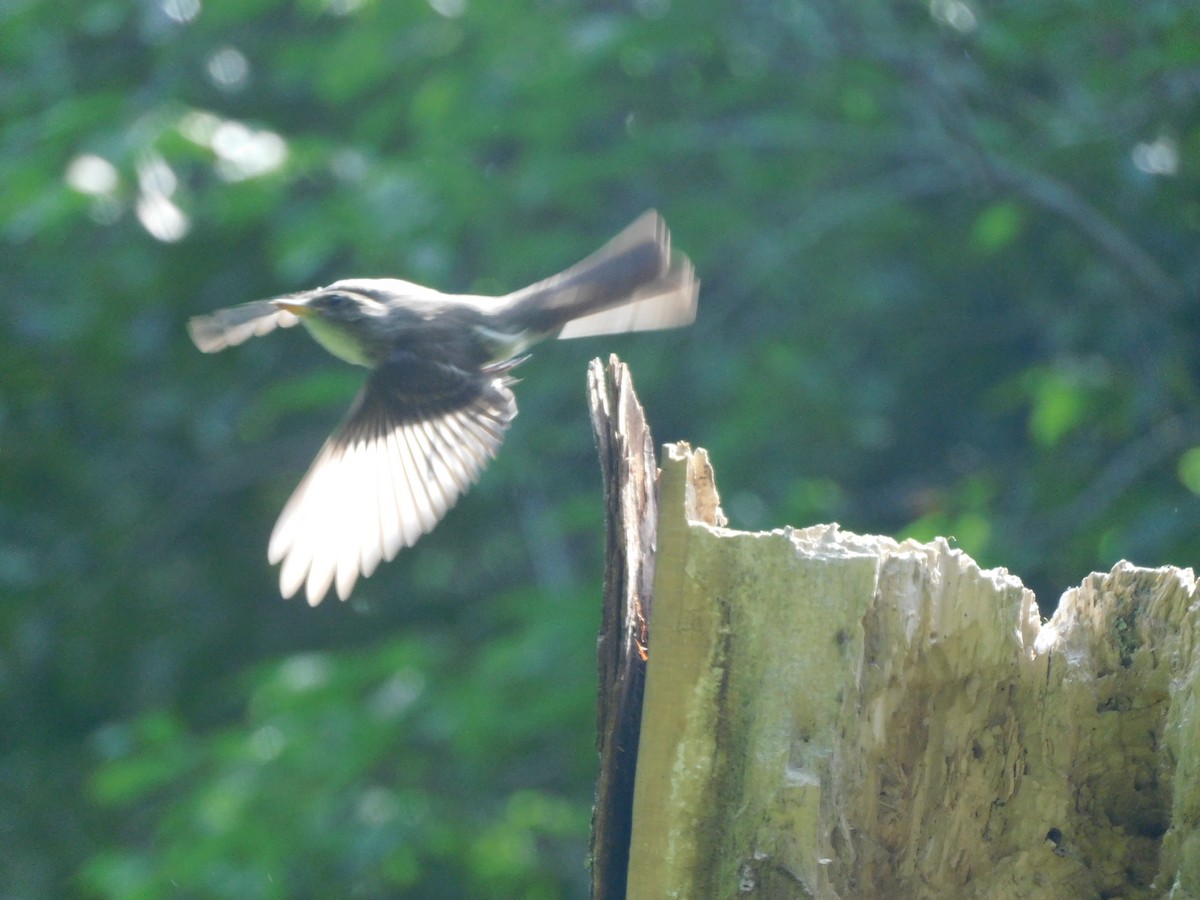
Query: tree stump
x: 840, y: 716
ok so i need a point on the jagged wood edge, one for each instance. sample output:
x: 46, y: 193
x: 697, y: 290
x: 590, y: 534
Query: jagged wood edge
x: 628, y: 467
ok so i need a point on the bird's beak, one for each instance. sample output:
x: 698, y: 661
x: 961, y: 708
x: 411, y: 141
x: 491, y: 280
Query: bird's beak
x: 297, y: 306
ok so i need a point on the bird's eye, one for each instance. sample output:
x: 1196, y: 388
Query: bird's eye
x: 335, y: 301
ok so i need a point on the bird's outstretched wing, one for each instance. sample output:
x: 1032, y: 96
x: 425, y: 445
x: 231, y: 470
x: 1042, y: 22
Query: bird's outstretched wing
x: 418, y: 436
x: 237, y: 324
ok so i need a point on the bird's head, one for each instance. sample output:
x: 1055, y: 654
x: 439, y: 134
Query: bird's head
x: 330, y: 304
x: 341, y: 321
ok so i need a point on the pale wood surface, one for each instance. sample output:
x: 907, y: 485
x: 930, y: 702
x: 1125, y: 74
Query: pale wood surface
x: 844, y: 716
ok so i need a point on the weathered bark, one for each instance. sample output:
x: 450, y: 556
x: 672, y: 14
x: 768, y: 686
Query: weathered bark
x: 838, y: 716
x: 627, y: 465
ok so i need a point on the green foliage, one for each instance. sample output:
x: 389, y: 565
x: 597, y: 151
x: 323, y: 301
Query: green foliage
x: 949, y: 287
x: 370, y: 772
x: 1189, y: 469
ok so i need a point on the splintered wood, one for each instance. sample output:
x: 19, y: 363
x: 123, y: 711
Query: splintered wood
x: 838, y: 716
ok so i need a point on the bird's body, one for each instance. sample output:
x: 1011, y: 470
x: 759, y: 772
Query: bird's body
x: 437, y: 403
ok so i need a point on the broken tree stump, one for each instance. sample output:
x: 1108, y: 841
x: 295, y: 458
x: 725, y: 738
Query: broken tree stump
x: 840, y: 716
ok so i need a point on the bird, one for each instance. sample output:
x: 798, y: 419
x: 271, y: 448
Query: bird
x: 438, y: 401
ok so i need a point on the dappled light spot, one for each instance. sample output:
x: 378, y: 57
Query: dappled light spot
x: 348, y: 164
x: 245, y: 152
x: 305, y: 672
x: 162, y: 218
x: 98, y: 179
x: 1159, y: 157
x: 199, y: 126
x: 954, y: 14
x: 90, y: 174
x: 182, y: 11
x: 229, y: 69
x: 155, y: 176
x: 397, y: 694
x: 267, y: 742
x: 242, y: 152
x: 377, y: 805
x: 157, y: 212
x: 451, y: 9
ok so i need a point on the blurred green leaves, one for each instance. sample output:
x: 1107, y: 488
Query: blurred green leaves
x: 382, y: 758
x: 997, y: 227
x: 1059, y: 398
x: 1189, y: 470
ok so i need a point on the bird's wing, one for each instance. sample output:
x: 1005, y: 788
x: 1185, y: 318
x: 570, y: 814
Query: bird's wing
x: 232, y: 326
x: 418, y: 436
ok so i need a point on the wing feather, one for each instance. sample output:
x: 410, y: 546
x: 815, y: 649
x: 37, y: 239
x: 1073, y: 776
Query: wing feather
x: 386, y: 476
x: 237, y: 324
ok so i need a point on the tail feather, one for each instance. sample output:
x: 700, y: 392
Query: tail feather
x: 632, y: 283
x: 669, y: 302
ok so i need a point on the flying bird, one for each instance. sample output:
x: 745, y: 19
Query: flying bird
x: 438, y: 401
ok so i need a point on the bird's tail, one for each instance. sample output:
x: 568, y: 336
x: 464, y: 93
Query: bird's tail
x: 632, y: 283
